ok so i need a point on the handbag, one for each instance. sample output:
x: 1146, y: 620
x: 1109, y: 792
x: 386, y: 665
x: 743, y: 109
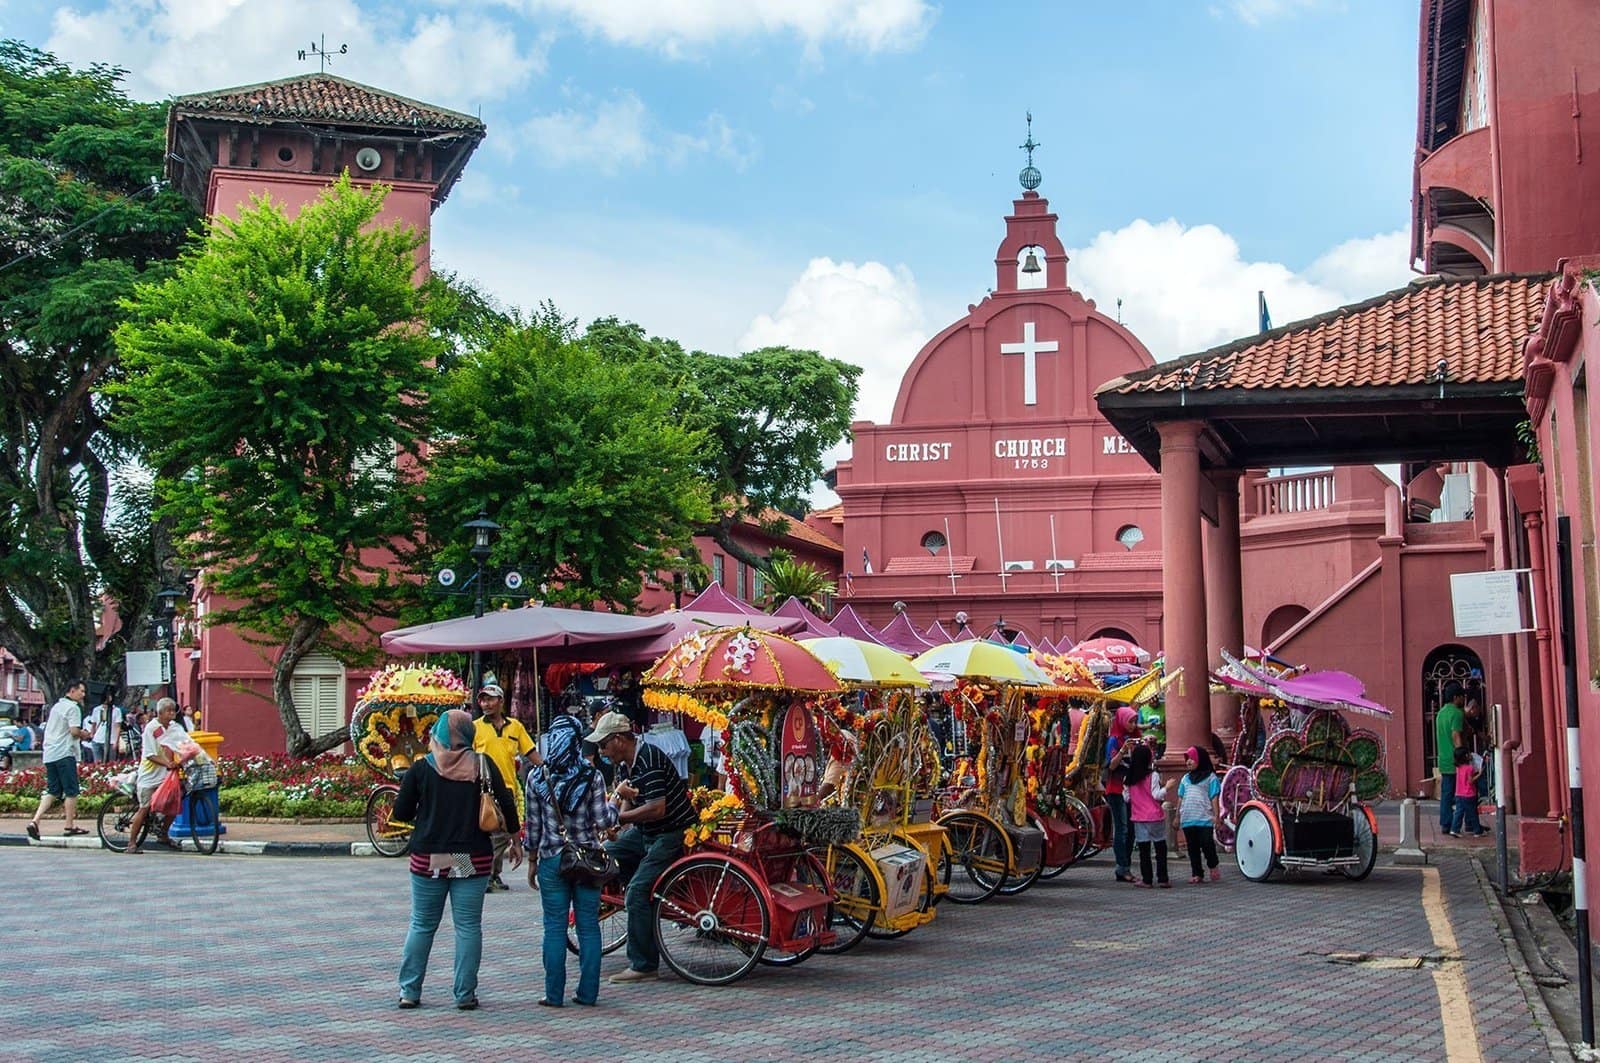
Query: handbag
x: 490, y: 818
x: 168, y: 797
x: 583, y: 865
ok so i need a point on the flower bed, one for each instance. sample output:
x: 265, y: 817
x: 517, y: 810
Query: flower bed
x: 328, y: 786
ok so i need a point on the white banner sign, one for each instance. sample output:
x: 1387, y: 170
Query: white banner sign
x: 147, y: 668
x: 1490, y: 603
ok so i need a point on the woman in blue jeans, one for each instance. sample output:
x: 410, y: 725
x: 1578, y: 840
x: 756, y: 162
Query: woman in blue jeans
x: 451, y: 855
x: 568, y: 794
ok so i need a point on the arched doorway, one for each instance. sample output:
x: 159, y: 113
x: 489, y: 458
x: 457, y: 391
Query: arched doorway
x: 1446, y: 665
x: 1279, y: 621
x: 1113, y: 633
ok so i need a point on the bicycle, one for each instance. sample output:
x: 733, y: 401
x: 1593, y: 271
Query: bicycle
x: 389, y: 836
x: 205, y: 827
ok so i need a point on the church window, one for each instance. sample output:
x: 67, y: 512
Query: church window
x: 286, y: 154
x: 1030, y: 268
x: 1130, y: 535
x: 718, y: 568
x: 933, y: 542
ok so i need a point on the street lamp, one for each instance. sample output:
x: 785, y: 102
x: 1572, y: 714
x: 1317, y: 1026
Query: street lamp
x: 483, y: 532
x: 166, y: 614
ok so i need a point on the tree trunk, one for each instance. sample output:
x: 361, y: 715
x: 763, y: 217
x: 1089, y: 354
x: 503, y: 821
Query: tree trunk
x: 722, y: 534
x: 302, y: 640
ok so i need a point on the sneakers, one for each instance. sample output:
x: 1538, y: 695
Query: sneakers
x: 498, y: 885
x: 469, y: 1004
x: 406, y: 1004
x: 627, y: 975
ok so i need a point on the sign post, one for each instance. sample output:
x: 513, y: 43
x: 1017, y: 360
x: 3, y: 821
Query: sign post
x: 1492, y: 603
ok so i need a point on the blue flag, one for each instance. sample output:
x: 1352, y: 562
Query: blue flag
x: 1261, y: 311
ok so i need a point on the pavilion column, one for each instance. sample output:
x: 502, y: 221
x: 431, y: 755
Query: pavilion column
x: 1183, y: 601
x: 1224, y: 596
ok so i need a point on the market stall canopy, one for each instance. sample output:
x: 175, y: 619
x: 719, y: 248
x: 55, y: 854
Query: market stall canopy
x: 850, y: 624
x: 742, y: 658
x: 536, y: 626
x: 981, y: 659
x: 685, y: 622
x: 716, y: 600
x: 899, y: 635
x: 809, y: 621
x: 865, y: 663
x: 937, y: 635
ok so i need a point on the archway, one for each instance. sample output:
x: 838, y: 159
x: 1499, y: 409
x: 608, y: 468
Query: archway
x: 1447, y: 664
x: 1113, y: 633
x: 1279, y: 621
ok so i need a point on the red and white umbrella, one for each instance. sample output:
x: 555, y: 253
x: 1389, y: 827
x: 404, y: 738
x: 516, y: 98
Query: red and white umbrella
x: 1109, y: 655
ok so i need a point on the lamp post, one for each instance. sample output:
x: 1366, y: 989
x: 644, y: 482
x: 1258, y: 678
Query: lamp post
x: 483, y: 531
x: 166, y: 616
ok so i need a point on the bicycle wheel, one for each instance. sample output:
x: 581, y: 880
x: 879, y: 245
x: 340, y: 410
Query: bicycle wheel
x: 980, y: 855
x: 115, y: 817
x: 389, y: 837
x: 856, y: 900
x: 711, y: 921
x: 807, y: 871
x: 613, y: 927
x: 205, y: 826
x: 1015, y: 884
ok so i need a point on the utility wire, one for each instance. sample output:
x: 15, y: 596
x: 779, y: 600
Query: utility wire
x: 47, y: 245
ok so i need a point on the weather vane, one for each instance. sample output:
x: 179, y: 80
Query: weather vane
x: 1030, y: 175
x: 319, y: 48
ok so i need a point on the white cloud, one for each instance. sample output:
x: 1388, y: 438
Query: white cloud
x: 1185, y: 289
x: 620, y: 133
x: 172, y: 47
x: 679, y: 26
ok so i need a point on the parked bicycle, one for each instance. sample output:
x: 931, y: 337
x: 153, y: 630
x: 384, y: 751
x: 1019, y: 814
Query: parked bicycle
x: 389, y: 836
x: 201, y: 816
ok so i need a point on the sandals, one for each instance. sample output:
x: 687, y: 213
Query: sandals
x: 1195, y: 880
x: 133, y: 850
x: 33, y: 830
x: 73, y: 830
x: 549, y: 1004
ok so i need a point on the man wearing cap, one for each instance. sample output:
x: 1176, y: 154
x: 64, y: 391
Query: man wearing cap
x: 656, y: 811
x: 502, y: 740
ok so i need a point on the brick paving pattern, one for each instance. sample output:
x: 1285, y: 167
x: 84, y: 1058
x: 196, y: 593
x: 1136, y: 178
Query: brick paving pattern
x: 268, y: 959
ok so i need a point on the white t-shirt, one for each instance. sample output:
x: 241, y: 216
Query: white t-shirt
x: 99, y: 725
x: 59, y: 743
x: 152, y: 771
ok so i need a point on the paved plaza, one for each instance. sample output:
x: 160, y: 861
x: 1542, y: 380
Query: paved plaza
x: 264, y: 959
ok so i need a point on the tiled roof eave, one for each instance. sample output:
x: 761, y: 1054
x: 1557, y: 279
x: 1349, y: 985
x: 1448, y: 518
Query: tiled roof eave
x: 1333, y: 394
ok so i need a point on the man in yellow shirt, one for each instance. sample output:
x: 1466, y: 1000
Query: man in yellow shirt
x: 502, y: 740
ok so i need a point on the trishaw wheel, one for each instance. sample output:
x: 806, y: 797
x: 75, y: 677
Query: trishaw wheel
x: 115, y: 816
x: 941, y: 872
x: 1253, y: 845
x: 980, y: 853
x: 613, y: 927
x: 1015, y: 884
x: 711, y: 921
x: 1366, y: 846
x: 856, y: 899
x: 1078, y: 814
x: 808, y: 871
x: 385, y: 838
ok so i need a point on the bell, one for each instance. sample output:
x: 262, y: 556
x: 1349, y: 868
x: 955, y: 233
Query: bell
x: 1031, y: 263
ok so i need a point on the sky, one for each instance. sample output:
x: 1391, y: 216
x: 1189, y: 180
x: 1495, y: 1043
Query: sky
x: 833, y: 174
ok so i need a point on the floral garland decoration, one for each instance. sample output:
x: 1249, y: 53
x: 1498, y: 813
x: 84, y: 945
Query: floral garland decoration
x: 714, y: 807
x: 756, y: 767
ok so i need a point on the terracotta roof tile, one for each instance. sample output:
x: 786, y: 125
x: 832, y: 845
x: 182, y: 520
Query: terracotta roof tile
x: 921, y: 566
x: 328, y: 99
x: 1119, y: 559
x: 796, y: 529
x: 1469, y: 330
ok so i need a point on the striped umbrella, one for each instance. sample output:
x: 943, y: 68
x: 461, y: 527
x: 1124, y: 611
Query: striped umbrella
x: 865, y: 663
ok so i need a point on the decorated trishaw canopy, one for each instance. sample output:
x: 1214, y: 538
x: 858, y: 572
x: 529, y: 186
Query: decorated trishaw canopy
x: 981, y: 659
x: 741, y: 658
x: 865, y: 664
x: 1313, y: 690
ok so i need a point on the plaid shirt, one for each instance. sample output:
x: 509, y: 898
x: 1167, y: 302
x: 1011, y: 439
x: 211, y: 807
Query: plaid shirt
x: 543, y: 830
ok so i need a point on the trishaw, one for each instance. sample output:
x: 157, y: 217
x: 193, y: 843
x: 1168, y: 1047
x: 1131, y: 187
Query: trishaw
x: 1305, y: 803
x: 886, y: 882
x: 389, y: 728
x: 749, y: 890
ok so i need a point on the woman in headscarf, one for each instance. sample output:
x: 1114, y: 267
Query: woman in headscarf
x: 451, y: 855
x: 1124, y: 726
x: 567, y: 793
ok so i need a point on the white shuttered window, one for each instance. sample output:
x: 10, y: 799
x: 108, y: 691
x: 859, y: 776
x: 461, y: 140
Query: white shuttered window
x: 318, y: 689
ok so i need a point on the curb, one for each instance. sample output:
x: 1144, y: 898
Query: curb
x: 1543, y: 1019
x: 232, y: 848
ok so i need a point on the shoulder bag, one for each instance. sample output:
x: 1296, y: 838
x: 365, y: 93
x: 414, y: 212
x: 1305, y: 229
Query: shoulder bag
x: 490, y: 819
x: 583, y: 865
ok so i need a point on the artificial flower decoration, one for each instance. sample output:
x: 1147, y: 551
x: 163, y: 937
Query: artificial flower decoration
x: 1321, y: 761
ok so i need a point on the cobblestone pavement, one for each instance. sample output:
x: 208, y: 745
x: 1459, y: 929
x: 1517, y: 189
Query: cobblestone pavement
x: 266, y: 959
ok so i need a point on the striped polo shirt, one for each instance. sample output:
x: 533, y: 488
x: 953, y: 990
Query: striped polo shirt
x: 653, y: 775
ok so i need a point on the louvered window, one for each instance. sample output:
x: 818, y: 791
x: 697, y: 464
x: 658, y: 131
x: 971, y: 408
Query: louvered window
x: 318, y: 690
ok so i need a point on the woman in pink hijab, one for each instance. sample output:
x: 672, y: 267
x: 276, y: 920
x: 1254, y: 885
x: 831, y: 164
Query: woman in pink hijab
x: 1124, y: 727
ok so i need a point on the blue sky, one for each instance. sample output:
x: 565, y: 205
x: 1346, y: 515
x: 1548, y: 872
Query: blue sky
x: 832, y: 173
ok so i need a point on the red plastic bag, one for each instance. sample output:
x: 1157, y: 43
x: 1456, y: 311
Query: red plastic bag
x: 168, y: 796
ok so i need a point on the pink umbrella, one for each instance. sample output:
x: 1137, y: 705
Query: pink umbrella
x: 1109, y: 655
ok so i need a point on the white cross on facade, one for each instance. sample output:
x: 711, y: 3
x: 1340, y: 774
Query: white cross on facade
x: 1028, y: 348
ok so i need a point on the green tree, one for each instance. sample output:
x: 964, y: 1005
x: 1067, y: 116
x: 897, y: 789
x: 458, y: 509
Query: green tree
x: 82, y: 219
x: 282, y: 373
x: 580, y: 456
x: 788, y: 578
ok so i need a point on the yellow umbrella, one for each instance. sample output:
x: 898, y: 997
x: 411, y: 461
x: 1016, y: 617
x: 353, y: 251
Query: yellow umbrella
x: 865, y: 663
x: 982, y: 659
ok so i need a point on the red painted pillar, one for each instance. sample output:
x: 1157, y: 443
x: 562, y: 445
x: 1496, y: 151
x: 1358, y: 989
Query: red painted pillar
x: 1224, y: 596
x: 1183, y: 598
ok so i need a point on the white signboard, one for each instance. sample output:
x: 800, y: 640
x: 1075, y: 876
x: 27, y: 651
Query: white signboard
x: 147, y: 668
x: 1490, y: 603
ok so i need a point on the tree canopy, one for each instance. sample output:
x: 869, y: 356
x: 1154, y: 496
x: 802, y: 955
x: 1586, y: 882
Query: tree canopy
x: 82, y: 220
x: 281, y: 377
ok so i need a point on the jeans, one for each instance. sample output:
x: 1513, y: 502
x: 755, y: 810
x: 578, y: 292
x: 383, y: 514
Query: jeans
x: 1447, y: 802
x: 640, y: 861
x: 466, y: 913
x: 1121, y: 833
x: 1200, y: 841
x: 558, y: 896
x: 1466, y: 816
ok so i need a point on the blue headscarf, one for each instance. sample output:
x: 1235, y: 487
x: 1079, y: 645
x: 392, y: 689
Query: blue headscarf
x: 450, y: 746
x: 565, y: 769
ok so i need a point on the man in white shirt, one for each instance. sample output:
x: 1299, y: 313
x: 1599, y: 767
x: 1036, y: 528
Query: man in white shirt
x: 102, y: 747
x: 63, y: 733
x: 155, y: 761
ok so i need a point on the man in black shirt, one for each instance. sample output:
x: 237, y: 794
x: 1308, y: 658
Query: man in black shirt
x: 656, y: 811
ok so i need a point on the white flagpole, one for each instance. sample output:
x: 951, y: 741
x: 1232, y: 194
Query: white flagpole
x: 1054, y: 571
x: 951, y: 551
x: 1000, y: 542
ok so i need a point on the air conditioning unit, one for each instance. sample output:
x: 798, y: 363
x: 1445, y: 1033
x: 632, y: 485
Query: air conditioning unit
x: 368, y: 159
x: 1060, y: 564
x: 1019, y: 566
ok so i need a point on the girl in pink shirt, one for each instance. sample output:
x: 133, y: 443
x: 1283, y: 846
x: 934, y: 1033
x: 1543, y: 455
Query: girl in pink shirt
x: 1466, y: 814
x: 1145, y: 796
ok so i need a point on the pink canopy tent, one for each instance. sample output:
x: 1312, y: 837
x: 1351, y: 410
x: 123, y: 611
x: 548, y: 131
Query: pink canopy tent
x: 716, y: 600
x: 812, y: 624
x: 1022, y: 640
x: 898, y: 634
x: 527, y: 628
x: 937, y: 635
x: 647, y: 650
x: 849, y: 623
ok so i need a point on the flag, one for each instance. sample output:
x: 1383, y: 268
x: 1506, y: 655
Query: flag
x: 849, y: 584
x: 866, y: 562
x: 1261, y: 312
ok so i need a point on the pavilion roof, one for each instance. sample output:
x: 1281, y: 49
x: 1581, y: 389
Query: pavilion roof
x: 900, y: 634
x: 849, y: 623
x: 811, y: 623
x: 714, y: 599
x: 325, y: 99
